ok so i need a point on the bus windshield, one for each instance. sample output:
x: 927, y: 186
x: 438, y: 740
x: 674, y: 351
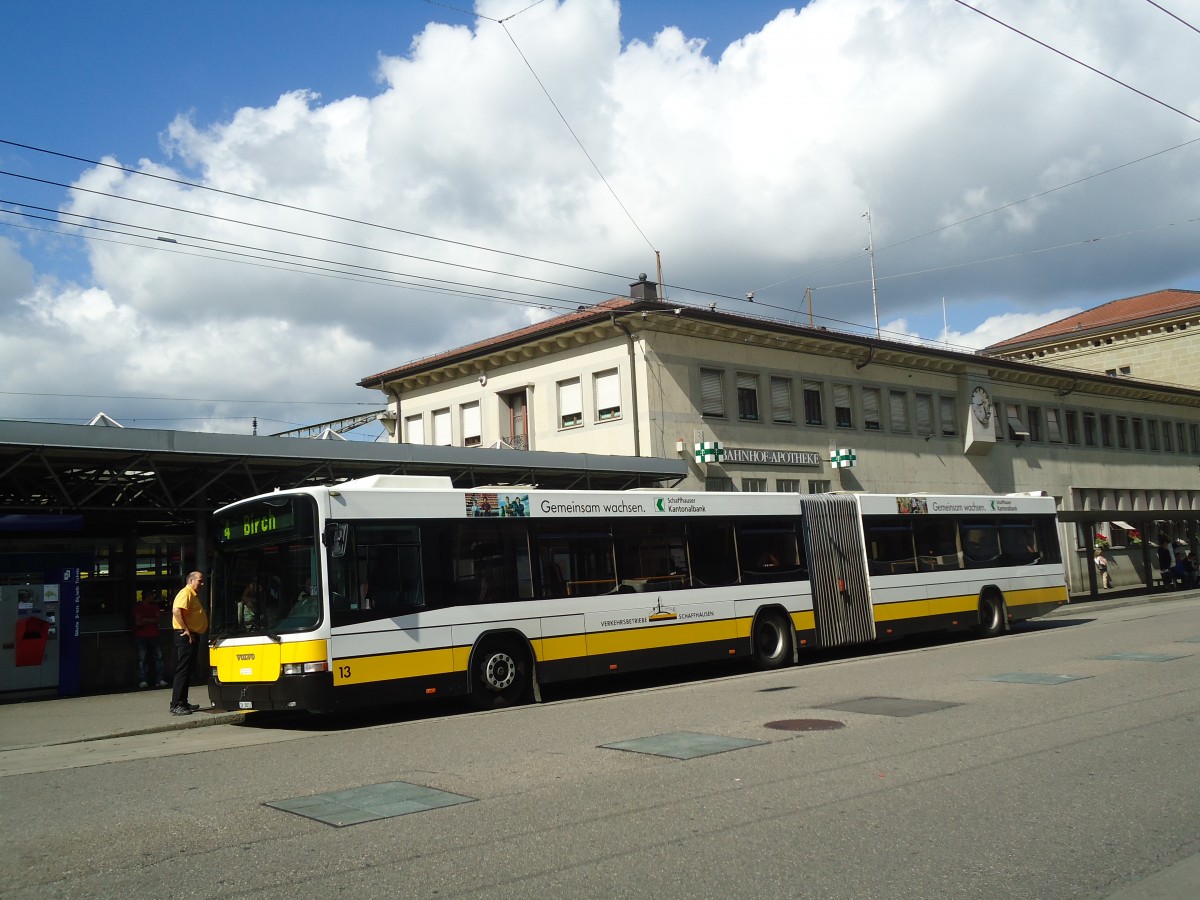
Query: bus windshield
x: 266, y: 577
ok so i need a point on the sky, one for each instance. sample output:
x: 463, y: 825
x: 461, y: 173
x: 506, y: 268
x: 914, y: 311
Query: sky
x: 221, y: 216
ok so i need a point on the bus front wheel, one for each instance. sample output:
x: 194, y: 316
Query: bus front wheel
x: 992, y: 615
x: 772, y: 641
x: 500, y: 675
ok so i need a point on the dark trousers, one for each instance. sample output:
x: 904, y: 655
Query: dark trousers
x: 185, y: 663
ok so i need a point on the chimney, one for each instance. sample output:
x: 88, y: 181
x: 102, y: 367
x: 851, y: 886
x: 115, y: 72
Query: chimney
x: 643, y: 289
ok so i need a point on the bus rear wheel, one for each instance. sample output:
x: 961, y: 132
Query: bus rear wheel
x: 992, y: 615
x: 500, y: 675
x: 772, y: 640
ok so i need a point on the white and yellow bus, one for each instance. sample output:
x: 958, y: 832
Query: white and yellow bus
x: 390, y: 588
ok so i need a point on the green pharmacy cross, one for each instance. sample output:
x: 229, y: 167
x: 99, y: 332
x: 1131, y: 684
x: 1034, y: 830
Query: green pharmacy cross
x: 843, y: 459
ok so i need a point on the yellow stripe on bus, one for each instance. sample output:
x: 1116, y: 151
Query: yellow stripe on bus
x: 385, y: 667
x: 304, y: 651
x: 570, y: 646
x: 964, y: 603
x: 660, y: 636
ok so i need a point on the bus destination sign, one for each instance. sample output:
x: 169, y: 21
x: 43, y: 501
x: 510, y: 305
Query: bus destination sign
x: 256, y: 523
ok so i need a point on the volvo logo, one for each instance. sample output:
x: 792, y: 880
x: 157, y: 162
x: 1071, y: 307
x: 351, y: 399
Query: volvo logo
x: 245, y: 657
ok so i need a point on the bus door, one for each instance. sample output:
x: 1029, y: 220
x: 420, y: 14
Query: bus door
x: 837, y: 570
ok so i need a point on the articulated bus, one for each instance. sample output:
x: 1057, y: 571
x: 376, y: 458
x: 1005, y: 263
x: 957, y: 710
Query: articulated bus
x: 390, y: 588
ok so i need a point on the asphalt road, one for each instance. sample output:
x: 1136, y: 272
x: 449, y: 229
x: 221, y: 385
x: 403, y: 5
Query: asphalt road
x: 1032, y: 787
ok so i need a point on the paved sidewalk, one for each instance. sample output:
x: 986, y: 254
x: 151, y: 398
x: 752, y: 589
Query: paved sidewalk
x: 44, y: 723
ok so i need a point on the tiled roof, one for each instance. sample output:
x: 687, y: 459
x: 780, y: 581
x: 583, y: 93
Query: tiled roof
x: 1107, y: 316
x: 529, y: 331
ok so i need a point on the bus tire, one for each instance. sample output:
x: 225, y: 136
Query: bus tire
x: 500, y: 675
x: 993, y: 616
x: 772, y: 641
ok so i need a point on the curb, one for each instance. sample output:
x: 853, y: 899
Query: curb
x: 207, y: 719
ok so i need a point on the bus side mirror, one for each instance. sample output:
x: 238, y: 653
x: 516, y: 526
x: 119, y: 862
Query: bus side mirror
x: 335, y: 538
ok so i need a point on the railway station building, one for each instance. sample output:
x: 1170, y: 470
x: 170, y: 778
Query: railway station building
x: 755, y: 404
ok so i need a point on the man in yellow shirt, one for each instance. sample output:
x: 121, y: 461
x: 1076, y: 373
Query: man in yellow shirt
x: 190, y: 623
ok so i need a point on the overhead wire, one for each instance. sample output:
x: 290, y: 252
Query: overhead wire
x: 1173, y: 16
x: 1079, y: 62
x: 277, y: 204
x: 300, y: 260
x: 291, y: 233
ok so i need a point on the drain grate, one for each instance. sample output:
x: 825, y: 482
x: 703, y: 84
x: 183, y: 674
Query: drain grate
x: 1031, y: 678
x: 889, y: 706
x: 683, y: 744
x: 1137, y: 656
x: 806, y: 725
x: 369, y: 803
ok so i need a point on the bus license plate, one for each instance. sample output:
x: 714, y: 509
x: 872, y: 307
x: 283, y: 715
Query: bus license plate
x: 245, y: 704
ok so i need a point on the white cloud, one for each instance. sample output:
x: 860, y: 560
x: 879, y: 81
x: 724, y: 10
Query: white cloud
x: 745, y: 171
x: 16, y: 272
x: 1001, y: 327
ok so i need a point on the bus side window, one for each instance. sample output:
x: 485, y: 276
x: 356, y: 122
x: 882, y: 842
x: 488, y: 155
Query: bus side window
x: 768, y: 551
x: 575, y: 559
x: 981, y: 545
x: 651, y: 556
x: 711, y: 553
x: 890, y: 545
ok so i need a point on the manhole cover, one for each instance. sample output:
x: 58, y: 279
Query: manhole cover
x: 806, y: 725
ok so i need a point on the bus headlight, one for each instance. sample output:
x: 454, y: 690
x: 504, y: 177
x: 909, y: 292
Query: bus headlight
x: 305, y: 668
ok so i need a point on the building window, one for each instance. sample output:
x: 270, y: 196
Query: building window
x: 1035, y: 423
x: 1166, y: 433
x: 1072, y: 420
x: 718, y: 484
x: 1194, y: 434
x: 1089, y: 429
x: 414, y: 429
x: 870, y: 401
x: 947, y: 413
x: 843, y: 414
x: 813, y: 414
x: 754, y: 485
x: 898, y: 410
x: 1106, y: 430
x: 712, y: 393
x: 924, y: 407
x: 570, y: 403
x: 1053, y: 428
x: 606, y: 388
x: 747, y: 397
x: 1139, y: 434
x: 1152, y: 434
x: 1122, y: 433
x: 1181, y: 433
x: 781, y: 401
x: 1016, y: 428
x: 472, y: 430
x: 787, y: 485
x: 442, y: 435
x: 819, y: 486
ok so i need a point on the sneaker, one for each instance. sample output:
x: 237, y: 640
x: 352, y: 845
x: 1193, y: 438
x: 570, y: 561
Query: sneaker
x: 181, y: 710
x: 162, y: 684
x: 192, y: 707
x: 142, y: 685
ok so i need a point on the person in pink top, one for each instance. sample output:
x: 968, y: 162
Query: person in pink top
x: 145, y: 634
